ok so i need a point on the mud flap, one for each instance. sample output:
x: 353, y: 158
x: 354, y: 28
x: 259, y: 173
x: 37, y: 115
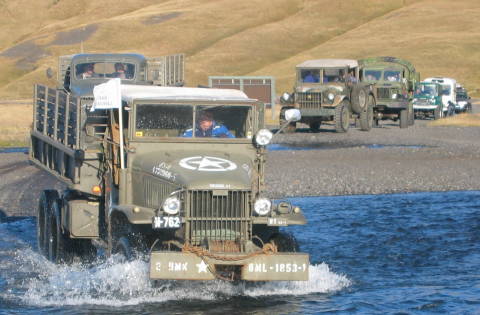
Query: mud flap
x: 188, y: 266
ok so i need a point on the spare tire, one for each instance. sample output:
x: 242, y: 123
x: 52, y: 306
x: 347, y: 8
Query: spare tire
x: 359, y: 99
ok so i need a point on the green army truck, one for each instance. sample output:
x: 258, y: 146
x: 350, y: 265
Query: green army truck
x: 329, y: 90
x: 149, y: 183
x: 395, y: 80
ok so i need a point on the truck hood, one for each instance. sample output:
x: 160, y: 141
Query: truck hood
x: 194, y: 170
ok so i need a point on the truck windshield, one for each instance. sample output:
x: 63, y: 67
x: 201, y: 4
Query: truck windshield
x: 392, y: 76
x: 310, y: 75
x: 102, y: 70
x: 426, y: 90
x: 372, y: 75
x: 169, y: 120
x: 333, y: 75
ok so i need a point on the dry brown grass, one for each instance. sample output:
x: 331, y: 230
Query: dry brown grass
x: 461, y: 120
x: 15, y: 123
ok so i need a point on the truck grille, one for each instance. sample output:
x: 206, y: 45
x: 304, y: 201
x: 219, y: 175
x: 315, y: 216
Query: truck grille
x: 217, y: 215
x: 309, y: 100
x: 383, y: 93
x: 422, y: 101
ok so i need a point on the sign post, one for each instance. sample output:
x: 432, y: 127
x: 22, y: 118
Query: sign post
x: 109, y: 96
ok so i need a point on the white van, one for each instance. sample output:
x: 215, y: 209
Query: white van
x: 449, y: 94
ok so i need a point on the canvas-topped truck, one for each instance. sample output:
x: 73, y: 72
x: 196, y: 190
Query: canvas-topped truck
x: 395, y: 81
x: 195, y: 206
x: 329, y: 90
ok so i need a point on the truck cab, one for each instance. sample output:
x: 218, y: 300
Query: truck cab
x: 395, y: 80
x: 329, y: 90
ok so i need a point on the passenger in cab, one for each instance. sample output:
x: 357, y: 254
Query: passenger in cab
x: 119, y: 71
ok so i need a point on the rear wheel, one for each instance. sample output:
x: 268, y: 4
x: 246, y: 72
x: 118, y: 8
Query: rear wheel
x: 45, y: 203
x: 342, y: 117
x: 403, y: 119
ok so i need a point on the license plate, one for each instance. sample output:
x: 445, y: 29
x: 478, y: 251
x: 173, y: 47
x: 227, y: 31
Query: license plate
x: 276, y: 222
x: 166, y: 222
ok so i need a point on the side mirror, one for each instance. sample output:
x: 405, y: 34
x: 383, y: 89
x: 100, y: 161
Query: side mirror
x: 292, y: 115
x: 49, y: 73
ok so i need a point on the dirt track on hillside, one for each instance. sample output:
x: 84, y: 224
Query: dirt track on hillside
x: 384, y: 160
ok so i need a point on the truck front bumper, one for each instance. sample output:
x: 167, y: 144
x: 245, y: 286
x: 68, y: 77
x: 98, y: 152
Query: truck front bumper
x: 424, y: 108
x: 167, y: 265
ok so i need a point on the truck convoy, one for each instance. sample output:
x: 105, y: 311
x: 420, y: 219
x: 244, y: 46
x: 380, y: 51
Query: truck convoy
x: 143, y: 178
x: 329, y: 90
x: 395, y: 80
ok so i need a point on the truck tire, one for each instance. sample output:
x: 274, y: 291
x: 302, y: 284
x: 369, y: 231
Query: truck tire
x: 58, y: 243
x: 403, y: 118
x: 342, y: 117
x: 359, y: 99
x: 285, y: 242
x: 45, y: 203
x: 411, y: 117
x: 366, y: 117
x: 437, y: 113
x: 315, y: 126
x: 124, y: 247
x: 292, y: 127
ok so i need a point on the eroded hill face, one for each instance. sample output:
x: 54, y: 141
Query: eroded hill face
x: 229, y: 37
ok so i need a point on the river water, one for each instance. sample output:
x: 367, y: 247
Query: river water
x: 402, y: 253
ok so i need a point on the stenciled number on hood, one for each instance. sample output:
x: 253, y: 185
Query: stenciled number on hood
x: 207, y: 164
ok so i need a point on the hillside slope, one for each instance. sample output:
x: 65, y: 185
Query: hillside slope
x: 228, y: 37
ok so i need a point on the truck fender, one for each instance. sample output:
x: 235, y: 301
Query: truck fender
x: 337, y: 100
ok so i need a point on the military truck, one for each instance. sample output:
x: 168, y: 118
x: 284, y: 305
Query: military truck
x: 329, y: 90
x: 147, y: 183
x: 427, y: 100
x: 395, y: 80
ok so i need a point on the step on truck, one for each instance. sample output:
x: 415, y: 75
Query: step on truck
x: 153, y: 183
x: 395, y: 81
x: 328, y: 90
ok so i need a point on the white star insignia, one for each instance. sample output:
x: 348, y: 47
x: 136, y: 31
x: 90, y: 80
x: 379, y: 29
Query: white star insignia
x: 202, y: 267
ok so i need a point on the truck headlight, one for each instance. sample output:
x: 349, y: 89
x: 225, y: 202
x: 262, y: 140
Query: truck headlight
x: 394, y: 96
x: 262, y: 206
x: 263, y: 137
x: 331, y: 96
x: 285, y: 98
x: 171, y: 205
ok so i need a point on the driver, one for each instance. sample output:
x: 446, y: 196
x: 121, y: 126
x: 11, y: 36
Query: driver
x: 207, y: 127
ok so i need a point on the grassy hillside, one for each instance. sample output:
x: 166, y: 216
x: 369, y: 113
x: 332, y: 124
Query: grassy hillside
x: 229, y: 37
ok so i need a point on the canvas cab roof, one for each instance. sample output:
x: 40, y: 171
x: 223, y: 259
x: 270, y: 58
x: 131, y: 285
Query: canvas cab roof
x: 147, y: 92
x: 328, y: 63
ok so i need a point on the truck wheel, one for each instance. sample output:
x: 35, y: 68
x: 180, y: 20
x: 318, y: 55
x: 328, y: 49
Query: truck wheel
x: 366, y: 117
x: 58, y: 243
x: 43, y: 209
x: 411, y: 117
x: 437, y: 113
x: 403, y: 119
x: 285, y: 242
x: 342, y: 117
x: 123, y: 246
x: 315, y: 126
x: 359, y: 99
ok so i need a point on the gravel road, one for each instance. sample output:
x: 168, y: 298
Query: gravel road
x: 384, y: 160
